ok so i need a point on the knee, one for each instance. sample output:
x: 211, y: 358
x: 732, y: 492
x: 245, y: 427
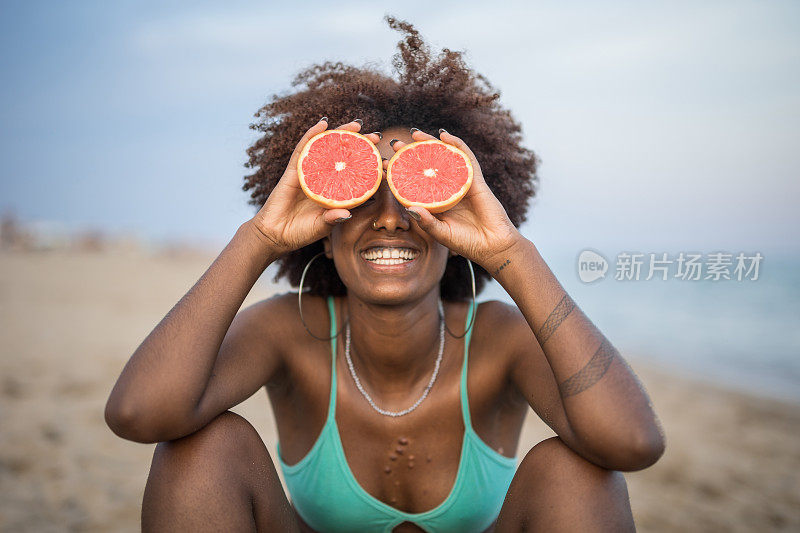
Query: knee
x: 552, y: 463
x: 226, y: 442
x: 555, y: 489
x: 219, y: 478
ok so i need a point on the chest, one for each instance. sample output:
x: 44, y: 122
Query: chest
x: 410, y: 463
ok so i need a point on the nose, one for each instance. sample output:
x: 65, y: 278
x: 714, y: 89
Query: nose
x: 391, y: 215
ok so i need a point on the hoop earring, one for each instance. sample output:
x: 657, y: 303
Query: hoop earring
x: 474, y: 308
x: 300, y: 302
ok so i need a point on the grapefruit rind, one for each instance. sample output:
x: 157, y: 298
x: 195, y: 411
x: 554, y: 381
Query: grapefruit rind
x: 330, y: 203
x: 433, y: 207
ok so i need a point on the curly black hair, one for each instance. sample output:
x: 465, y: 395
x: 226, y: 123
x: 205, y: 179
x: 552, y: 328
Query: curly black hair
x: 428, y: 93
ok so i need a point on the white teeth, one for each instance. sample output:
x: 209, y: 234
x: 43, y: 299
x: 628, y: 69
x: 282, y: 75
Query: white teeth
x: 389, y: 256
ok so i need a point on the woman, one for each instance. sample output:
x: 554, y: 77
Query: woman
x: 398, y: 404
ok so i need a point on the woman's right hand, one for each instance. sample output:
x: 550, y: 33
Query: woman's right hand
x: 289, y: 219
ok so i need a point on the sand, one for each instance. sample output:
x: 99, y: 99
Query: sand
x: 70, y: 320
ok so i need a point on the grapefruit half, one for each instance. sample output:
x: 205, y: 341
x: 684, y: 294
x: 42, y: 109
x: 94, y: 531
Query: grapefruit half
x: 431, y: 174
x: 339, y: 169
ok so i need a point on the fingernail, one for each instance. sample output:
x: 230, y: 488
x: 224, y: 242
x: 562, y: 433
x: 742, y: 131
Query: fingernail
x: 442, y: 130
x: 414, y: 215
x: 342, y: 219
x: 379, y: 134
x: 360, y: 122
x: 413, y: 130
x: 385, y: 158
x: 324, y: 118
x: 391, y: 143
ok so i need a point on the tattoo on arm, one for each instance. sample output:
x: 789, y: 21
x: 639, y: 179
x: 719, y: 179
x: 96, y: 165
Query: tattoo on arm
x: 501, y: 267
x: 591, y: 373
x: 559, y: 314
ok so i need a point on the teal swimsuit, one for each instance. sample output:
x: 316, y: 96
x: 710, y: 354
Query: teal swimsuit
x: 329, y: 499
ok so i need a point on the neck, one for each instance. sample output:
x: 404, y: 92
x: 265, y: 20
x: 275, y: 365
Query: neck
x: 394, y: 347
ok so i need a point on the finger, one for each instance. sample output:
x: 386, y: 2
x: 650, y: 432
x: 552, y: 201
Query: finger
x: 374, y: 137
x: 432, y: 225
x: 449, y: 138
x: 353, y: 125
x: 319, y: 127
x: 419, y: 135
x: 396, y: 144
x: 336, y: 216
x: 385, y: 163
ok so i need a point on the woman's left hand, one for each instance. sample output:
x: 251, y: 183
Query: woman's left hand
x: 477, y: 227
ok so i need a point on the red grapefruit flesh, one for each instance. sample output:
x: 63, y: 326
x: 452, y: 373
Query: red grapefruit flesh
x: 339, y: 169
x: 431, y: 174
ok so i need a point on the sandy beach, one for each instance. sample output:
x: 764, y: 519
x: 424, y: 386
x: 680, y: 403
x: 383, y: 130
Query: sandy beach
x: 70, y: 320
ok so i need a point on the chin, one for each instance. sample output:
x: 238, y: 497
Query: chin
x: 390, y: 293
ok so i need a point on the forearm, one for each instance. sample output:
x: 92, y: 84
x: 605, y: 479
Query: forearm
x: 166, y: 376
x: 608, y: 410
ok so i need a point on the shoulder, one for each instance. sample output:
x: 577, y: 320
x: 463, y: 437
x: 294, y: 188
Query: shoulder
x: 498, y: 336
x: 499, y: 331
x: 279, y: 315
x: 271, y: 314
x: 502, y: 320
x: 499, y: 320
x: 503, y: 336
x: 496, y: 308
x: 274, y: 324
x: 272, y: 328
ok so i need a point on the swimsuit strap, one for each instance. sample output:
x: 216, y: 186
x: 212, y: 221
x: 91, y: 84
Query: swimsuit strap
x: 463, y: 388
x: 332, y: 401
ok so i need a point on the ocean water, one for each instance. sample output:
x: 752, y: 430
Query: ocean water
x: 740, y: 333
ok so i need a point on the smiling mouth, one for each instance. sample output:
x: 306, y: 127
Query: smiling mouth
x: 389, y: 256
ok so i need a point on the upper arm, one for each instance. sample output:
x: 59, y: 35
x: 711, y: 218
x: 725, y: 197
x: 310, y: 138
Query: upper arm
x: 250, y: 356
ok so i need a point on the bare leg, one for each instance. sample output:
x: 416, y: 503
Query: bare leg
x: 556, y: 489
x: 220, y: 478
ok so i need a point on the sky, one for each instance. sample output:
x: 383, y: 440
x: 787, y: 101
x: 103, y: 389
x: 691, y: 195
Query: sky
x: 661, y: 126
